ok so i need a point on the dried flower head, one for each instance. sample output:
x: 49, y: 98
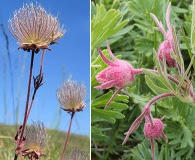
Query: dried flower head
x: 34, y: 28
x: 35, y: 141
x: 119, y: 73
x: 77, y: 154
x: 71, y: 95
x: 167, y: 45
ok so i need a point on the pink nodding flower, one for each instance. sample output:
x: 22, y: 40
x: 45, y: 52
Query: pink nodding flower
x: 153, y: 127
x: 119, y: 74
x: 165, y: 49
x: 167, y: 45
x: 153, y: 131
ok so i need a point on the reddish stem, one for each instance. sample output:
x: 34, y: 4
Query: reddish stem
x: 27, y: 100
x: 174, y: 80
x: 67, y: 136
x: 35, y: 89
x: 117, y: 91
x: 149, y: 104
x: 145, y: 112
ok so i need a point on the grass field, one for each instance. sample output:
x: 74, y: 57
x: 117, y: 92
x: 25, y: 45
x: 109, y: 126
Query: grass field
x: 54, y: 145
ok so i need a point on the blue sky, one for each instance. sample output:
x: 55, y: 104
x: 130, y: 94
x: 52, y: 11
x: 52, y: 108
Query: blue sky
x: 70, y: 57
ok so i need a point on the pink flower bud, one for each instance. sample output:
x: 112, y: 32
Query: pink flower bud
x: 119, y: 74
x: 165, y: 49
x: 155, y: 130
x: 169, y: 43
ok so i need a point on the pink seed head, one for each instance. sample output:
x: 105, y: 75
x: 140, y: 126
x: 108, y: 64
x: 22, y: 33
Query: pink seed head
x: 120, y: 74
x: 155, y: 130
x: 165, y: 49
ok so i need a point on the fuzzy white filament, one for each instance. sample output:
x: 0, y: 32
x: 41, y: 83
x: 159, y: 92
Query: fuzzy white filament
x: 36, y: 137
x: 32, y: 25
x: 71, y: 95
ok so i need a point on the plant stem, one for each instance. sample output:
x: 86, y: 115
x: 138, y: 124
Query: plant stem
x: 37, y: 83
x: 28, y: 95
x: 146, y: 111
x: 174, y: 80
x: 41, y: 63
x: 149, y: 104
x: 27, y: 100
x: 116, y: 92
x: 67, y: 136
x: 166, y: 152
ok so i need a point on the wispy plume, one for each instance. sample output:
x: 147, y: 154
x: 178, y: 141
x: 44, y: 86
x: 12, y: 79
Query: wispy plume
x: 34, y: 28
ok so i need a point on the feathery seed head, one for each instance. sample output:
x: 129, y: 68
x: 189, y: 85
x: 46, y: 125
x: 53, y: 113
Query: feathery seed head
x: 34, y: 28
x: 35, y: 141
x: 71, y: 95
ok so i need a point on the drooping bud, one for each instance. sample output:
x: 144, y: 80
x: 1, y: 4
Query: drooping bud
x: 165, y: 48
x: 169, y: 44
x: 155, y: 130
x: 119, y: 74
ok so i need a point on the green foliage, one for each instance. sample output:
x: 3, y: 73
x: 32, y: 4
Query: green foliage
x: 105, y: 24
x: 137, y: 42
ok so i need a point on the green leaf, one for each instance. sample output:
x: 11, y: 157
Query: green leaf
x: 103, y: 100
x: 107, y: 115
x: 182, y: 152
x: 95, y: 129
x: 193, y: 28
x: 168, y: 113
x: 187, y: 138
x: 105, y: 24
x: 98, y: 137
x: 123, y: 31
x: 156, y: 89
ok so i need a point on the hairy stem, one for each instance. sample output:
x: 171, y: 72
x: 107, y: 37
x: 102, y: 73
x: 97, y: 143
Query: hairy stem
x: 146, y: 111
x: 149, y: 104
x: 174, y: 80
x: 27, y: 100
x: 67, y: 136
x: 37, y: 83
x: 116, y: 92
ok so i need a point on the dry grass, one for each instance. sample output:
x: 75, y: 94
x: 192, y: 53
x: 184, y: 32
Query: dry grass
x: 54, y: 145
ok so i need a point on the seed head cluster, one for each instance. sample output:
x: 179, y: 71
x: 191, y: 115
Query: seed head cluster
x: 71, y: 96
x: 36, y: 137
x: 34, y: 28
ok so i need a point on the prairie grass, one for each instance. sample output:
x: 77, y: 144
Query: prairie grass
x: 54, y: 144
